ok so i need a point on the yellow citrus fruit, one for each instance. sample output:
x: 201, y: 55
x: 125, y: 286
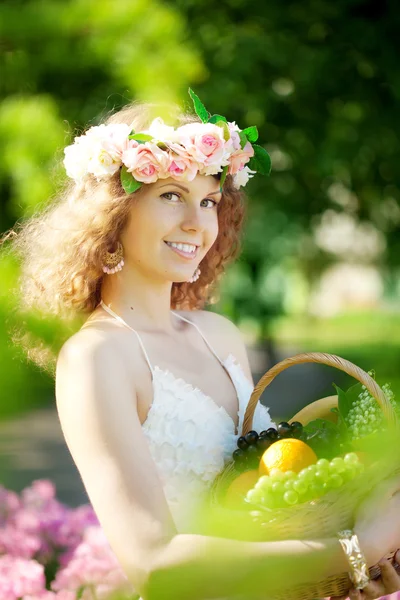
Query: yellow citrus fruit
x: 288, y: 454
x: 239, y: 487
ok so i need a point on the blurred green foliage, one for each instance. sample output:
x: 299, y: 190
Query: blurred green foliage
x: 319, y: 79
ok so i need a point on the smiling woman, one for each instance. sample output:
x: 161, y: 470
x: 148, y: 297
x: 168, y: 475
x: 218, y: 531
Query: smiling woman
x: 62, y: 247
x: 151, y: 400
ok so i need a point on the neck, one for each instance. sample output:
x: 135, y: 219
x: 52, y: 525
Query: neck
x: 142, y: 303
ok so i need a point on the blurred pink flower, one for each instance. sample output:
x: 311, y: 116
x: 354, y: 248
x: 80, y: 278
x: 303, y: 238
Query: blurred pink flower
x: 92, y: 563
x: 19, y: 577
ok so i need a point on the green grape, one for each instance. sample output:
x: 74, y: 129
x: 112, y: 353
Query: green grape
x: 337, y: 464
x: 277, y: 474
x: 255, y: 496
x: 350, y: 472
x: 335, y: 480
x: 300, y: 486
x: 263, y: 483
x: 312, y: 469
x: 316, y: 489
x: 323, y: 463
x: 322, y: 475
x: 305, y: 475
x: 351, y: 458
x: 290, y: 497
x: 289, y: 475
x: 288, y: 485
x: 277, y: 488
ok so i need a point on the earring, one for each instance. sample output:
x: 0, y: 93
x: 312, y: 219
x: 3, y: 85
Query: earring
x: 195, y: 276
x: 113, y: 261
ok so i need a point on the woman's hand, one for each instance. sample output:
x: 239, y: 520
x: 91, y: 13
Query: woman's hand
x: 387, y: 583
x: 378, y: 521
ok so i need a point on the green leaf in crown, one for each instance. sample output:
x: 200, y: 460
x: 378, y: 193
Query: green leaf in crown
x: 261, y: 161
x: 128, y: 182
x: 251, y: 133
x: 215, y: 118
x: 199, y: 107
x: 141, y: 137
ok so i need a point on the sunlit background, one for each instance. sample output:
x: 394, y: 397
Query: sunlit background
x: 320, y: 267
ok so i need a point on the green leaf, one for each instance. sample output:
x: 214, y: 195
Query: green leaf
x: 344, y: 402
x: 128, y: 182
x: 323, y: 437
x: 216, y: 118
x: 199, y: 107
x: 243, y: 139
x: 141, y: 137
x: 225, y: 127
x: 251, y: 133
x: 223, y: 177
x: 261, y: 161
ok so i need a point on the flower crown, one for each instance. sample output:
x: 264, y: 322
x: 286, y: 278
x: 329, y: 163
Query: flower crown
x: 210, y: 147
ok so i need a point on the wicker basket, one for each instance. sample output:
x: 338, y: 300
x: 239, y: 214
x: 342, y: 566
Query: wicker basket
x: 319, y: 518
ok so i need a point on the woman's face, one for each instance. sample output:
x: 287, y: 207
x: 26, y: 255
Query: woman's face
x: 171, y: 211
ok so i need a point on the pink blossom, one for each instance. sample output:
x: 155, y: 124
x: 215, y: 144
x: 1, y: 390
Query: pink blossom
x: 92, y: 563
x: 19, y: 577
x: 147, y: 162
x: 9, y: 504
x: 205, y: 143
x: 18, y: 543
x: 182, y: 166
x: 239, y: 158
x: 234, y: 142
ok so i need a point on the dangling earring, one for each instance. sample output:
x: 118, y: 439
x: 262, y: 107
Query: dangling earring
x: 195, y: 276
x: 113, y: 261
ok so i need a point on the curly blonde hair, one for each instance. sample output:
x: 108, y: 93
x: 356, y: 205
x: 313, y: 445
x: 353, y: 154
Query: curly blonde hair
x: 61, y: 246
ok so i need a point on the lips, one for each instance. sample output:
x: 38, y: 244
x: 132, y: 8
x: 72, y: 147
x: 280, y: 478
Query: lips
x: 189, y: 255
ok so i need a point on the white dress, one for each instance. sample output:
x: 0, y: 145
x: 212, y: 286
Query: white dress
x: 190, y: 437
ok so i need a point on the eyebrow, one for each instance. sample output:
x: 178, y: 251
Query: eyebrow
x: 185, y: 189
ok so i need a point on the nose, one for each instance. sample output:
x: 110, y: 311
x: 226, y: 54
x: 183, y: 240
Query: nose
x: 194, y: 219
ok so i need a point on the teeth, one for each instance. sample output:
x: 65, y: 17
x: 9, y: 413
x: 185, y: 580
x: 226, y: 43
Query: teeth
x: 184, y: 247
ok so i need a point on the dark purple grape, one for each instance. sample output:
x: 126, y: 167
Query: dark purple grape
x: 239, y: 456
x: 272, y: 434
x: 263, y: 434
x: 251, y: 437
x: 284, y: 429
x: 252, y: 455
x: 263, y: 443
x: 241, y: 443
x: 297, y: 429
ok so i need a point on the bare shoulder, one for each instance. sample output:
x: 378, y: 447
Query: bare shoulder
x: 223, y: 334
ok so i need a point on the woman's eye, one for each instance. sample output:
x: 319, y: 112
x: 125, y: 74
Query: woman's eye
x: 211, y: 200
x: 168, y: 195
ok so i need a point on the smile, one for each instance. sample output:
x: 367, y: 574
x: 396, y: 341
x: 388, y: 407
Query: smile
x: 185, y: 253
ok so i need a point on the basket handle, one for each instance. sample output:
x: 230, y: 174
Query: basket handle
x: 324, y: 359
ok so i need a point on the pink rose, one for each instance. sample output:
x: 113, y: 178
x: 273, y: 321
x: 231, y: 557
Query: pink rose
x: 239, y: 158
x: 205, y: 143
x: 182, y: 166
x: 147, y: 162
x: 116, y: 140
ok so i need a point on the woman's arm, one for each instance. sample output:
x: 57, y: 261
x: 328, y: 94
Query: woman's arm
x: 97, y: 408
x: 197, y: 567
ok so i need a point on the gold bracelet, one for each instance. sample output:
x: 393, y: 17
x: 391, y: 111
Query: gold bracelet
x: 359, y: 573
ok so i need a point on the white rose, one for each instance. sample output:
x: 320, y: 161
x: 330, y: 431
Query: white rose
x: 161, y: 132
x: 242, y: 177
x: 76, y: 159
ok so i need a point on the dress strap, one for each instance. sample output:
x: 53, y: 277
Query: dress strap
x: 202, y: 335
x: 120, y: 319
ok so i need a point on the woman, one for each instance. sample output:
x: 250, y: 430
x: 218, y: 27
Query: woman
x: 150, y: 399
